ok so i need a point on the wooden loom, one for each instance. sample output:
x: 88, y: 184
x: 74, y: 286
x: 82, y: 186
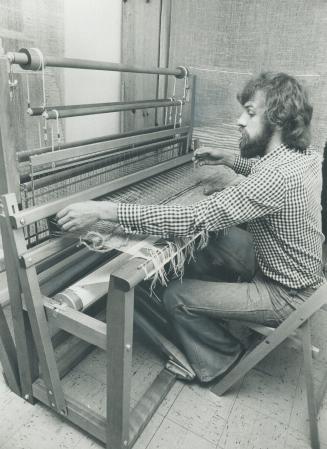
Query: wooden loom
x: 36, y: 184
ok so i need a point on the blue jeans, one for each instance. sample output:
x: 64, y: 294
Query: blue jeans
x: 199, y: 304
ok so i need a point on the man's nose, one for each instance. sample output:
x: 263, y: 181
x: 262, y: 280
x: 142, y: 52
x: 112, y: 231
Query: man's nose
x: 241, y: 122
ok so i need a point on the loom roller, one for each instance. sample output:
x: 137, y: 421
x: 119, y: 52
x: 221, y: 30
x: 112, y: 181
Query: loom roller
x: 85, y: 292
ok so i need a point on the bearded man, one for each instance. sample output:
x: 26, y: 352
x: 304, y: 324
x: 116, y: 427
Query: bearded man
x: 278, y: 260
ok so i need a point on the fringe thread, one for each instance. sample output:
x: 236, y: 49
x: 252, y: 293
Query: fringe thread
x: 167, y: 261
x: 171, y: 259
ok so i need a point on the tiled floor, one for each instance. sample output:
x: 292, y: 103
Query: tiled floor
x: 267, y: 410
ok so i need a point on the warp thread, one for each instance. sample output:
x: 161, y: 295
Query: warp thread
x: 170, y: 260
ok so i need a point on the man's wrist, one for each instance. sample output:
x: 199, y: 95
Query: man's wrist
x: 108, y: 211
x: 229, y: 158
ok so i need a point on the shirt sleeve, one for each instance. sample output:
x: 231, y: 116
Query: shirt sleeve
x: 260, y: 194
x: 243, y: 166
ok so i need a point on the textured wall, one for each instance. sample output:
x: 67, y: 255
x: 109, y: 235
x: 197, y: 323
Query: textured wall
x: 225, y: 41
x: 33, y: 23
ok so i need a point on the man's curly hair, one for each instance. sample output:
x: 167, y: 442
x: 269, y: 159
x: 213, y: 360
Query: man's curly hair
x: 287, y: 106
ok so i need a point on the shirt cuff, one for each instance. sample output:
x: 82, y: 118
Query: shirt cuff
x: 129, y: 217
x: 241, y: 165
x: 238, y: 165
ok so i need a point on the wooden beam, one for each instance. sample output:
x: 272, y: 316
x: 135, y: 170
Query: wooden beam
x: 20, y: 331
x: 310, y: 390
x: 8, y: 355
x: 149, y: 403
x: 35, y: 308
x: 120, y: 309
x: 9, y: 177
x: 9, y: 182
x: 77, y: 413
x: 321, y: 392
x: 77, y: 323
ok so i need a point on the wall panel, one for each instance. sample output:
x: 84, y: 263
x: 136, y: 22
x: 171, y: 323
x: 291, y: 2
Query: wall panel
x: 225, y: 41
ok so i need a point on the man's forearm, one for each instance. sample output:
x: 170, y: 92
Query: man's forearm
x: 108, y: 210
x: 229, y: 158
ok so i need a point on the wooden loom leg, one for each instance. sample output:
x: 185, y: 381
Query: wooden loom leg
x: 36, y: 313
x: 8, y: 355
x: 21, y: 339
x: 31, y: 348
x: 308, y: 374
x: 43, y: 344
x: 120, y: 309
x: 321, y: 392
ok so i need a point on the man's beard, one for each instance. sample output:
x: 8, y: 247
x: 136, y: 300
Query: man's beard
x: 251, y: 148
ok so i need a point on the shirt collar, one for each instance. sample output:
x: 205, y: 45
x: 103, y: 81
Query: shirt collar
x: 277, y: 150
x: 275, y: 153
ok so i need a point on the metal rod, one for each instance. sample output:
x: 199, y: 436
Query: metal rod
x: 24, y: 155
x: 112, y: 157
x: 78, y: 152
x: 32, y: 59
x: 25, y: 168
x: 52, y: 282
x: 88, y: 166
x: 36, y: 111
x: 80, y: 110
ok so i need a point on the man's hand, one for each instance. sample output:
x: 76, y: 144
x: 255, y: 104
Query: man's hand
x: 213, y: 156
x: 217, y: 185
x: 79, y: 215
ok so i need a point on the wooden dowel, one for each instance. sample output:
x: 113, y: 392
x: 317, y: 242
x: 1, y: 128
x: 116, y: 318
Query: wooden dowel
x: 80, y: 110
x: 31, y: 59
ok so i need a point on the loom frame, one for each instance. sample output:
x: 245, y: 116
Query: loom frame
x: 35, y: 315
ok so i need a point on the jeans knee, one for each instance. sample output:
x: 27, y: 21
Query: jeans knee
x: 172, y: 296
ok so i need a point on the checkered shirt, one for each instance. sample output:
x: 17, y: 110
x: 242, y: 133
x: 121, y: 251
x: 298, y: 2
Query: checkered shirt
x: 279, y: 199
